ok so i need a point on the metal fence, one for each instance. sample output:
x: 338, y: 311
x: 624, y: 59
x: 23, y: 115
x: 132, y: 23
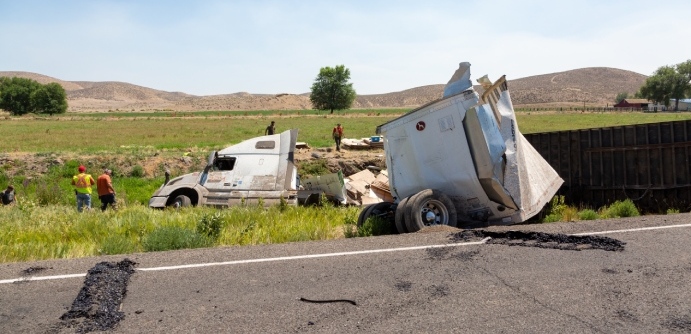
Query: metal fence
x: 648, y: 163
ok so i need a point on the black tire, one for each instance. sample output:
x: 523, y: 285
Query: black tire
x: 399, y: 218
x: 428, y: 208
x: 363, y: 215
x: 384, y: 210
x: 181, y: 201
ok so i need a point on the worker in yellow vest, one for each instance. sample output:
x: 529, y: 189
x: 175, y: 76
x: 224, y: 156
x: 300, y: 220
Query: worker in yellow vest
x: 82, y: 183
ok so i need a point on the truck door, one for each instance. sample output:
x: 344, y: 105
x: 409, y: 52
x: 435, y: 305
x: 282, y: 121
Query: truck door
x: 219, y: 181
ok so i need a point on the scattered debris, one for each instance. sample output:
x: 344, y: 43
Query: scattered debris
x: 374, y: 142
x: 542, y: 240
x: 322, y: 301
x: 33, y: 270
x: 97, y: 306
x: 404, y: 286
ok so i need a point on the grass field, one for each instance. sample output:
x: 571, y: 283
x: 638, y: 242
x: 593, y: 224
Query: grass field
x: 45, y: 224
x: 103, y: 132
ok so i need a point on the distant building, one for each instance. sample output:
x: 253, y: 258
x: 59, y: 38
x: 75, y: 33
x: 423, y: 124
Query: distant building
x: 642, y: 104
x: 684, y: 104
x: 633, y: 103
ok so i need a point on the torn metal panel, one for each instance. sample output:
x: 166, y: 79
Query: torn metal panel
x: 332, y: 185
x: 470, y: 149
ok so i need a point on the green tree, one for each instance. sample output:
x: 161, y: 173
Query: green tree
x: 331, y: 89
x: 15, y: 94
x: 20, y: 96
x: 50, y: 99
x: 685, y: 69
x: 621, y: 97
x: 668, y: 82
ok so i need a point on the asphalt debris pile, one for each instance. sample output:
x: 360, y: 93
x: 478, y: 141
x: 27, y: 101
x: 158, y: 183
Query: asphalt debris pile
x: 542, y: 240
x: 97, y: 306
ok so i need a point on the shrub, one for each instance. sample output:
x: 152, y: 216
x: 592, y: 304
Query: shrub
x: 376, y: 226
x: 569, y: 214
x: 137, y: 171
x: 672, y: 211
x: 173, y: 237
x: 620, y: 209
x: 48, y: 192
x: 588, y: 214
x: 556, y: 210
x: 350, y: 227
x: 552, y: 218
x: 210, y: 225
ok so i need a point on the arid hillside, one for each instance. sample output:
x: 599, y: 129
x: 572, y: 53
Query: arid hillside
x: 595, y: 86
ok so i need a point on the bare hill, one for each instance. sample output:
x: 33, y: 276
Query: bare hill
x: 594, y: 86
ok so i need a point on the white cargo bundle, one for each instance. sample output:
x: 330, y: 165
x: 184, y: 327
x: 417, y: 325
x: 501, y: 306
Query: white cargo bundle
x: 461, y: 161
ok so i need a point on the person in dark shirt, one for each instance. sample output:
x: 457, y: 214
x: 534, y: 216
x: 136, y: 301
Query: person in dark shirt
x: 271, y: 129
x: 8, y: 195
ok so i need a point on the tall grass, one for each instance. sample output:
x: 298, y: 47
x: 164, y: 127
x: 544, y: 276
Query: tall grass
x: 31, y: 232
x: 557, y: 211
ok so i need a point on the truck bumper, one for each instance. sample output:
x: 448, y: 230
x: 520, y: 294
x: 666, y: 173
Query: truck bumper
x: 158, y: 202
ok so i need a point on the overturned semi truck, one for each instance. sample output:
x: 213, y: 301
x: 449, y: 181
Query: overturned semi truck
x: 256, y: 170
x: 461, y: 161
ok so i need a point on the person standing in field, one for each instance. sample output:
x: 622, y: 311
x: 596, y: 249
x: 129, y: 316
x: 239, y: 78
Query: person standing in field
x: 337, y: 135
x: 106, y: 193
x: 82, y: 183
x: 8, y: 195
x: 271, y: 129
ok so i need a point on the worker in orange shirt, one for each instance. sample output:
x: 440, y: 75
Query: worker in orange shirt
x: 337, y: 135
x: 106, y: 193
x: 82, y: 183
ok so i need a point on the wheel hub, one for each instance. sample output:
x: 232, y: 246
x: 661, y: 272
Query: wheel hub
x: 430, y: 218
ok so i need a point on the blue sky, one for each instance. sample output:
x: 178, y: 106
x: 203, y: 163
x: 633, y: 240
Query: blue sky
x: 261, y: 46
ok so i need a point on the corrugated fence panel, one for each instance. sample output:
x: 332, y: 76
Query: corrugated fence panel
x: 648, y: 163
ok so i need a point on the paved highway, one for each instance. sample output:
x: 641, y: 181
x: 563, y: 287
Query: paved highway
x: 430, y: 282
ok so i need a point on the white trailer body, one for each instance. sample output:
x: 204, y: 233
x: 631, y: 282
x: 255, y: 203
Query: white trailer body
x: 467, y: 147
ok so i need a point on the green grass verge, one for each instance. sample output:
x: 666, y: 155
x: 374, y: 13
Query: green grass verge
x: 31, y: 232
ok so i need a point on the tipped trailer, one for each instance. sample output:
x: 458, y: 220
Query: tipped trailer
x: 461, y: 161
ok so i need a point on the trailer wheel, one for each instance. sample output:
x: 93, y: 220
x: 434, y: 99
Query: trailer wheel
x: 399, y: 218
x: 181, y: 201
x: 363, y: 215
x: 428, y: 208
x: 383, y: 210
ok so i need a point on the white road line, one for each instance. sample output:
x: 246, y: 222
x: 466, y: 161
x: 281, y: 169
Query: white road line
x: 634, y: 229
x: 284, y: 258
x: 39, y: 278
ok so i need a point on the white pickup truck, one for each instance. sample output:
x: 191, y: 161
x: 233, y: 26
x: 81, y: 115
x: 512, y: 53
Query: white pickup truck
x: 461, y: 161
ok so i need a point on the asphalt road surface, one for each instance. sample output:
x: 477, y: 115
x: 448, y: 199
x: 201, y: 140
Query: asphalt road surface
x: 430, y: 282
